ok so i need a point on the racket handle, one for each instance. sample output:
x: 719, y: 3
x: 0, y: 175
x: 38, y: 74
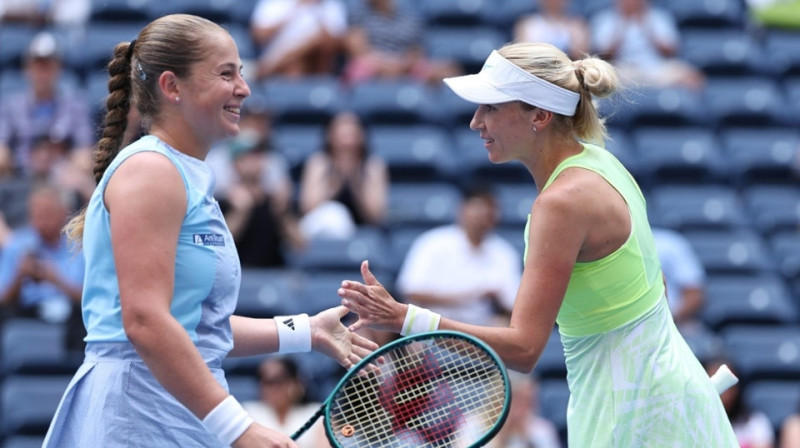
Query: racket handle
x: 723, y: 379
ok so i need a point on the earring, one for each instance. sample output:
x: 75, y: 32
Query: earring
x: 534, y: 129
x: 177, y: 99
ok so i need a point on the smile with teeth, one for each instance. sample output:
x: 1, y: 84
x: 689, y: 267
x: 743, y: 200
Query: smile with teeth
x: 233, y: 109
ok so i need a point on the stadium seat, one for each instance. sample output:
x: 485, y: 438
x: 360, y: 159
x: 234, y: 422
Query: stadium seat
x: 773, y: 208
x: 93, y: 53
x: 762, y: 155
x: 706, y: 14
x: 309, y: 100
x: 764, y: 351
x: 776, y: 399
x: 35, y: 347
x: 734, y: 252
x: 742, y: 101
x: 266, y: 292
x: 318, y: 291
x: 451, y: 111
x: 552, y: 363
x: 413, y: 153
x: 119, y: 11
x: 244, y: 387
x: 15, y: 39
x: 791, y: 116
x: 678, y: 155
x: 390, y: 102
x: 29, y: 402
x: 619, y: 144
x: 454, y: 13
x: 422, y: 204
x: 668, y: 106
x: 514, y: 202
x: 505, y: 17
x: 553, y: 402
x: 341, y: 255
x: 696, y: 207
x: 515, y: 235
x: 400, y: 240
x: 24, y: 442
x: 244, y: 41
x: 215, y: 10
x: 762, y: 299
x: 786, y: 249
x: 783, y: 52
x: 722, y: 52
x: 296, y: 143
x: 469, y: 46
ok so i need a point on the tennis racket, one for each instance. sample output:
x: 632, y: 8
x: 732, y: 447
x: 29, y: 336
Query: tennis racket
x: 439, y: 389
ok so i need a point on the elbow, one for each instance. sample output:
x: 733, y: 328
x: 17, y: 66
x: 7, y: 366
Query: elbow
x: 525, y: 360
x: 139, y: 326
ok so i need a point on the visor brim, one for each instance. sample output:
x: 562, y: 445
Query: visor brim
x: 476, y: 89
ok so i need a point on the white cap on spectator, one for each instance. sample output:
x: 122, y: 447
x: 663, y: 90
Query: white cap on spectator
x: 43, y: 45
x: 502, y: 81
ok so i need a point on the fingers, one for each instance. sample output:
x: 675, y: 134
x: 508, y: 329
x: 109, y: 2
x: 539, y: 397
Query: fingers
x: 357, y: 325
x: 363, y: 343
x: 369, y: 277
x: 341, y: 311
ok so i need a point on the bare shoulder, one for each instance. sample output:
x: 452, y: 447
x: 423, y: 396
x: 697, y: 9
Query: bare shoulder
x: 146, y: 175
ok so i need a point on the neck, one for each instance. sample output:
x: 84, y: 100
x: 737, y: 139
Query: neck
x: 547, y: 154
x: 180, y: 139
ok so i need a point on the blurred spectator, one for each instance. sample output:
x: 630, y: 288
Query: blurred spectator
x: 790, y: 431
x: 75, y: 174
x: 342, y: 186
x: 642, y: 42
x: 298, y: 37
x: 684, y: 275
x: 41, y: 274
x: 282, y: 405
x: 554, y: 24
x: 524, y: 427
x: 45, y: 111
x: 752, y: 428
x: 384, y: 42
x: 783, y: 14
x: 464, y: 271
x: 43, y: 12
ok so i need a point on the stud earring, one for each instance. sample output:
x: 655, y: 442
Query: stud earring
x: 534, y: 129
x: 177, y: 99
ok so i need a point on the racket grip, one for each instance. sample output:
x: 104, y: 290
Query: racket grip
x: 723, y: 379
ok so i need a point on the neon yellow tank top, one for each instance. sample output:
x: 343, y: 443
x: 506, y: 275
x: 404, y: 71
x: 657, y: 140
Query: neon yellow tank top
x: 612, y: 291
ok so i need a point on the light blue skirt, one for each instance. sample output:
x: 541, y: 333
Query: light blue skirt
x: 114, y: 401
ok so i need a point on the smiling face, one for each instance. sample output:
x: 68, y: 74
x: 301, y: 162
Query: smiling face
x: 212, y: 95
x: 505, y: 128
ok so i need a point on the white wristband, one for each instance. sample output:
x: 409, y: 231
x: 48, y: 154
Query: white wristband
x: 294, y: 333
x: 228, y: 420
x: 419, y: 320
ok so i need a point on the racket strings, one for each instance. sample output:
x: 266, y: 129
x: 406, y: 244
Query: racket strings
x: 442, y: 392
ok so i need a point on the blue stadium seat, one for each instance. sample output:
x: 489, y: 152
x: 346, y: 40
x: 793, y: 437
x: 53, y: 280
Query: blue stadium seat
x: 774, y: 208
x: 390, y: 102
x: 244, y: 41
x: 761, y: 155
x: 514, y: 202
x: 28, y: 402
x: 215, y: 10
x: 297, y: 142
x: 455, y: 13
x: 24, y: 442
x: 762, y: 299
x: 267, y: 292
x: 474, y: 161
x: 706, y: 14
x: 119, y: 11
x: 742, y: 101
x: 553, y: 401
x: 722, y: 52
x: 413, y: 153
x: 678, y: 154
x: 731, y: 252
x: 696, y: 207
x: 425, y: 204
x: 318, y: 292
x: 342, y: 255
x: 307, y: 100
x: 783, y: 52
x: 620, y: 144
x: 505, y: 17
x: 515, y: 235
x: 451, y: 111
x: 244, y: 387
x: 35, y: 347
x: 93, y: 53
x: 552, y: 363
x: 15, y: 39
x: 786, y: 249
x: 764, y: 351
x: 668, y: 106
x: 776, y: 399
x: 469, y: 46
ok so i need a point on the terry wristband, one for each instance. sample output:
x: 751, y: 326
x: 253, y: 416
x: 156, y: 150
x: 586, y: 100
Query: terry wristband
x: 419, y: 320
x: 294, y: 333
x: 228, y: 420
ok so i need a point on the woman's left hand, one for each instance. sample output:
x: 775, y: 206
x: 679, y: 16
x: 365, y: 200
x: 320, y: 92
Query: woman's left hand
x: 330, y: 337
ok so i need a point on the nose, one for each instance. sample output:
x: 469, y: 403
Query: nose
x: 243, y: 90
x: 477, y: 122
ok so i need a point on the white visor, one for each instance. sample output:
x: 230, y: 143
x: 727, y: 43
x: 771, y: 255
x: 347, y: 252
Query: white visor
x: 502, y: 81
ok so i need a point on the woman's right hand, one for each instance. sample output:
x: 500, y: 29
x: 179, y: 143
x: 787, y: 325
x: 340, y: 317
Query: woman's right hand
x: 376, y: 308
x: 258, y: 436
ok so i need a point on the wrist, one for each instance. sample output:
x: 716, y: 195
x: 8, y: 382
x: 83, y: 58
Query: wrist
x: 228, y: 420
x: 419, y: 320
x: 294, y: 333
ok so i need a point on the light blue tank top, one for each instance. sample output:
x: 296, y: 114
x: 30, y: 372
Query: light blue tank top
x: 207, y: 269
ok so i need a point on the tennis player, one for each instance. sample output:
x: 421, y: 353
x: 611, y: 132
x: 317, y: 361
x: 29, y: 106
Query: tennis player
x: 590, y: 263
x: 162, y: 273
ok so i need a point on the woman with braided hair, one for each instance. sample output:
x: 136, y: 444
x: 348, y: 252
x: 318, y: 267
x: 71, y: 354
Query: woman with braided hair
x: 162, y: 273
